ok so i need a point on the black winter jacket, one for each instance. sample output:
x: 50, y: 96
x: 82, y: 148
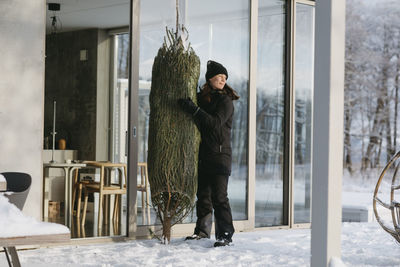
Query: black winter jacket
x: 214, y: 120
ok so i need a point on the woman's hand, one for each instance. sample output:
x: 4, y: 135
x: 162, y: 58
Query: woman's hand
x: 188, y: 106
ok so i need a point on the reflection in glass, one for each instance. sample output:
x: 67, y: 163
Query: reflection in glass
x: 303, y: 111
x: 120, y: 99
x: 120, y: 119
x: 221, y: 34
x: 270, y: 113
x: 120, y: 106
x: 155, y: 16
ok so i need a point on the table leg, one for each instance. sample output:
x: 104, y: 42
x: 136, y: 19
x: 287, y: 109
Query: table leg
x: 66, y: 196
x: 99, y: 222
x: 69, y: 185
x: 146, y: 184
x: 45, y: 194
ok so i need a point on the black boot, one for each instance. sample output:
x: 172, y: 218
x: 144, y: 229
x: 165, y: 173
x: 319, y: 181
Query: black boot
x: 222, y: 242
x: 196, y: 236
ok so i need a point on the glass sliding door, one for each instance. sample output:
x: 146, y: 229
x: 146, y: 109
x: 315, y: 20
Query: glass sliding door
x: 120, y: 106
x: 303, y: 81
x: 155, y: 16
x: 222, y: 34
x: 80, y: 72
x: 120, y: 98
x: 270, y: 113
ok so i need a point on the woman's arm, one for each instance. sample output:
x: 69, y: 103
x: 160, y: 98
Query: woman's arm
x: 213, y: 121
x: 206, y: 120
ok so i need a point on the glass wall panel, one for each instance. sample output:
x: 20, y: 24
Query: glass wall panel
x: 120, y: 99
x: 270, y: 113
x: 220, y: 33
x: 304, y: 66
x: 79, y: 69
x: 155, y: 16
x: 120, y: 105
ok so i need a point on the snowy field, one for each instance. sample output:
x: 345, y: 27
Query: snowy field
x: 363, y: 244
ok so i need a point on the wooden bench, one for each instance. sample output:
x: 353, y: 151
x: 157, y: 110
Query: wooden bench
x: 9, y: 244
x: 17, y: 229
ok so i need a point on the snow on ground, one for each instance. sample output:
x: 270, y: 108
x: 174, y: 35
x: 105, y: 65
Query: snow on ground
x: 363, y: 244
x: 14, y: 223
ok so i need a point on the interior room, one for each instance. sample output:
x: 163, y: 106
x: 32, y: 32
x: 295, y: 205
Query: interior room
x: 85, y: 118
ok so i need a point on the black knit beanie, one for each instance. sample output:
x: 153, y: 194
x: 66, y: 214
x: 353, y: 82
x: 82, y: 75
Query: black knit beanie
x: 215, y: 68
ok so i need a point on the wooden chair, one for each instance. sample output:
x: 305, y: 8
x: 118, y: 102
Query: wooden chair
x: 77, y: 186
x: 143, y: 187
x: 105, y: 187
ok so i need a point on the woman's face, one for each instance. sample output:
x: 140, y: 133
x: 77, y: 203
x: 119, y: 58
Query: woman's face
x: 218, y: 81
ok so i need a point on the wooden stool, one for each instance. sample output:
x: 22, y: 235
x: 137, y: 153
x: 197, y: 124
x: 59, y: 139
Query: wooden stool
x: 77, y: 185
x: 105, y: 188
x: 143, y: 187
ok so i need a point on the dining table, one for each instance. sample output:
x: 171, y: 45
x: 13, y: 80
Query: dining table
x: 69, y: 168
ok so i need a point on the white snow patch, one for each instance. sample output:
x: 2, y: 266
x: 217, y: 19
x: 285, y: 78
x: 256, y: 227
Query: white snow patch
x: 13, y: 223
x: 336, y: 262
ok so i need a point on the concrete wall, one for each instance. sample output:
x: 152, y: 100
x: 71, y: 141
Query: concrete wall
x: 103, y: 96
x: 22, y: 44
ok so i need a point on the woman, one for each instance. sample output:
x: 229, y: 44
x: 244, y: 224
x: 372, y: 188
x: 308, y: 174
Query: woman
x: 213, y: 117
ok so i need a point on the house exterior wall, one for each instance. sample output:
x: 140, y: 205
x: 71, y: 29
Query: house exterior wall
x: 22, y: 44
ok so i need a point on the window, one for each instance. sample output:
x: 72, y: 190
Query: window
x: 304, y: 78
x: 270, y: 113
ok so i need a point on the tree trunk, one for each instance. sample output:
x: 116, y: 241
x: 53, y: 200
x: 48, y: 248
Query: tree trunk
x: 389, y: 147
x: 396, y: 100
x: 166, y: 229
x: 377, y: 161
x: 374, y: 135
x: 380, y: 112
x: 347, y: 141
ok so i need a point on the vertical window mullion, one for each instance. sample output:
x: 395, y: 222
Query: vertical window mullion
x: 252, y: 112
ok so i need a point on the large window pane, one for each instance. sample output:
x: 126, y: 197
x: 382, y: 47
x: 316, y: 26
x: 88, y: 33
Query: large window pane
x: 155, y: 16
x: 270, y: 113
x: 303, y: 111
x: 221, y: 34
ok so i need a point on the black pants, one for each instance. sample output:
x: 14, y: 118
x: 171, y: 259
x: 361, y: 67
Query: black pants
x: 212, y: 194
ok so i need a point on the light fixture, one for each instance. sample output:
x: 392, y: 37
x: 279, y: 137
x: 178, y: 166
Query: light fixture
x: 56, y: 24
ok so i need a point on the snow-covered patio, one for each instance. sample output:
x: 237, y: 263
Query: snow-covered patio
x: 363, y: 244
